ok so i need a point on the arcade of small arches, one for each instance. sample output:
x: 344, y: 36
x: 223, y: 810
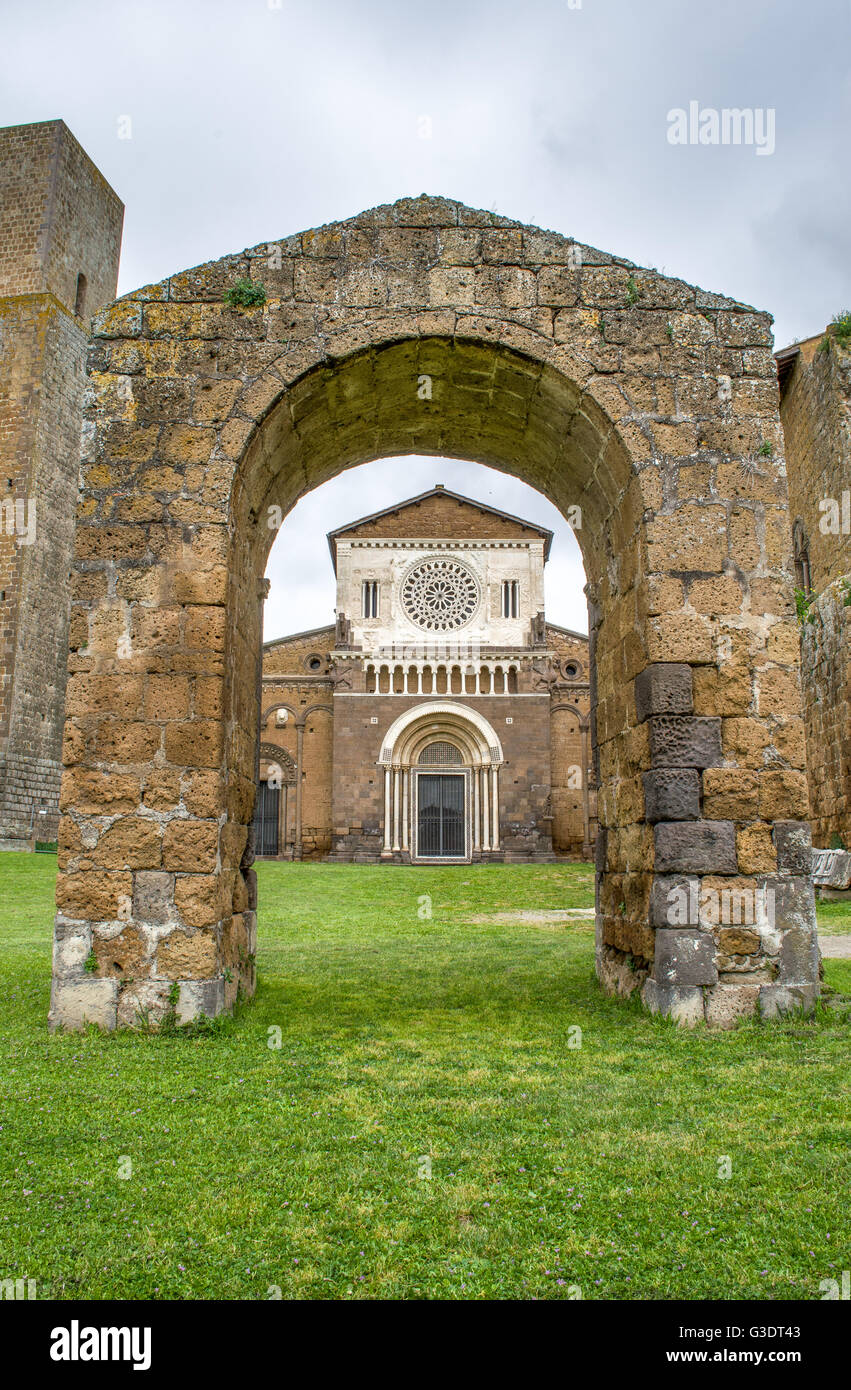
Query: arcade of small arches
x: 425, y: 678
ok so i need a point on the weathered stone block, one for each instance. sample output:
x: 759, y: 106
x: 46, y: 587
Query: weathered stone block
x: 153, y: 897
x: 671, y: 793
x: 776, y: 1000
x: 199, y: 998
x: 664, y: 687
x: 799, y: 957
x: 182, y: 955
x: 685, y: 741
x: 682, y: 1003
x: 684, y: 957
x: 143, y: 1002
x: 72, y: 943
x: 738, y: 941
x: 790, y: 902
x: 73, y: 1005
x: 703, y: 847
x: 727, y: 1003
x: 675, y: 901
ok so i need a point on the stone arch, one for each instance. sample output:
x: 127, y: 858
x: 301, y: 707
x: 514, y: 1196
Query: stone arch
x: 636, y: 403
x: 435, y: 720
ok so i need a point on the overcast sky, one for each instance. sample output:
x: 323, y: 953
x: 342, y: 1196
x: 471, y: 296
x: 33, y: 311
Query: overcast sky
x: 251, y: 119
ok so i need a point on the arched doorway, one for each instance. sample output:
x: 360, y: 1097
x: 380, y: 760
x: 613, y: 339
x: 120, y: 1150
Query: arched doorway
x: 272, y: 809
x: 441, y: 766
x: 636, y: 403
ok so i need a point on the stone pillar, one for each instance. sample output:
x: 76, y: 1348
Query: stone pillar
x: 486, y: 838
x: 396, y: 810
x: 299, y: 782
x: 477, y: 813
x: 387, y: 851
x: 495, y: 806
x: 586, y: 796
x: 406, y: 780
x: 714, y: 958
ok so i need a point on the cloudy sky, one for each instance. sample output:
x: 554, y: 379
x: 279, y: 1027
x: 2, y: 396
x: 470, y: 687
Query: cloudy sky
x: 251, y: 119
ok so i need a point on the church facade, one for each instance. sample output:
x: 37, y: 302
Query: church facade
x: 441, y: 718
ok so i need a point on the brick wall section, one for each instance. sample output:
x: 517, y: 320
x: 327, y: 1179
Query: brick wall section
x: 816, y: 414
x: 311, y: 705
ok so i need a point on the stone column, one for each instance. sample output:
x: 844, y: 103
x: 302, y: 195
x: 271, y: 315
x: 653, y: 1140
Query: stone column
x: 387, y: 851
x: 299, y: 781
x: 586, y: 799
x: 486, y: 837
x: 477, y: 813
x: 396, y: 809
x: 495, y: 806
x: 406, y: 780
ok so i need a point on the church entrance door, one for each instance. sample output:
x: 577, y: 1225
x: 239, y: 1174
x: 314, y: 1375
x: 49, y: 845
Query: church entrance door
x: 441, y: 819
x: 266, y: 812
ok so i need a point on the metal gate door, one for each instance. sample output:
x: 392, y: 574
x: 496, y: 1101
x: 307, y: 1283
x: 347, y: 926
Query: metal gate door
x: 440, y: 821
x: 266, y: 819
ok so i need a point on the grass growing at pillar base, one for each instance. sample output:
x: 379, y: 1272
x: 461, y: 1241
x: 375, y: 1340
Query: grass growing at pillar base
x: 413, y: 1043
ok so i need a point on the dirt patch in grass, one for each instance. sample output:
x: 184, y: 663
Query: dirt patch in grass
x: 566, y: 917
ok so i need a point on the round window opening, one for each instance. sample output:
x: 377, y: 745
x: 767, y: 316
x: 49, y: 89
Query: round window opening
x: 440, y: 595
x: 571, y: 670
x: 314, y: 663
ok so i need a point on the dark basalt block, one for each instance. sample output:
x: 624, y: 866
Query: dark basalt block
x: 672, y: 793
x: 681, y: 740
x: 664, y: 687
x: 699, y: 847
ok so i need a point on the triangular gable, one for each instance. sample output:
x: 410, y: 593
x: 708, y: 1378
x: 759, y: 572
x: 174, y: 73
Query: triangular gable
x: 441, y: 513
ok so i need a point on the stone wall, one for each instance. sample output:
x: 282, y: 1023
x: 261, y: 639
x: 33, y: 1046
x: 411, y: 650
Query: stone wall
x: 58, y: 220
x: 826, y: 663
x: 42, y: 356
x: 816, y: 414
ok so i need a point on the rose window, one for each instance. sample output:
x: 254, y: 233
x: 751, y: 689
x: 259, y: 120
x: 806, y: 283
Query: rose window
x: 440, y: 595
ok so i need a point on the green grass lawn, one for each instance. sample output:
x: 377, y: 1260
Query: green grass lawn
x: 405, y: 1038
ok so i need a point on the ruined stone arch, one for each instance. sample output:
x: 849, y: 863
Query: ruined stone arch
x: 596, y: 382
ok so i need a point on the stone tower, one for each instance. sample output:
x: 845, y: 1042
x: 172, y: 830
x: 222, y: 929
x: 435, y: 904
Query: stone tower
x: 60, y: 236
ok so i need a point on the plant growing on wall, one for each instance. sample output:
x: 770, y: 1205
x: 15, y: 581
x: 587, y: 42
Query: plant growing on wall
x: 803, y: 603
x: 245, y: 294
x: 840, y: 329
